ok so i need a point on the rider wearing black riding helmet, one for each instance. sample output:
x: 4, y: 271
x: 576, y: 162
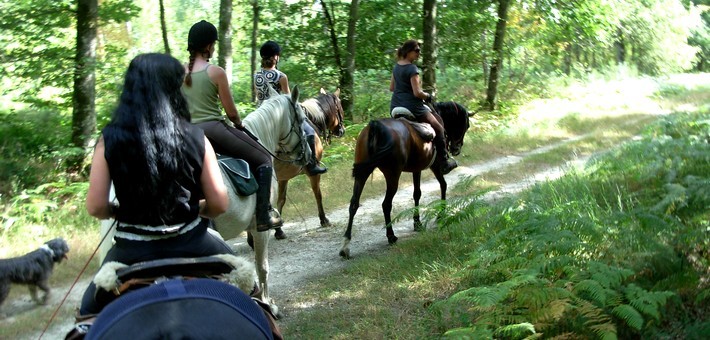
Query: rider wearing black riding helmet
x: 206, y: 87
x: 271, y: 77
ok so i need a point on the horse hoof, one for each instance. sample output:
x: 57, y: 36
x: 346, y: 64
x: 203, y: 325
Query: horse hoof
x: 392, y: 239
x: 325, y: 224
x: 279, y: 234
x: 345, y: 254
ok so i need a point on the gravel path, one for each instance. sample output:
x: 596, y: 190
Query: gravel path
x: 311, y: 251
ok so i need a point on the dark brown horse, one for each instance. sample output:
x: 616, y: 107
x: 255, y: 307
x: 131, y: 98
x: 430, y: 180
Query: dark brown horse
x: 325, y: 113
x: 394, y: 146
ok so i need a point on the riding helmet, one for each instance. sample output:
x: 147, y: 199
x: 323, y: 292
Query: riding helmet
x: 269, y: 49
x: 201, y: 34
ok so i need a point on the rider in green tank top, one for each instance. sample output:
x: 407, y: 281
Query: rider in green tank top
x: 202, y: 98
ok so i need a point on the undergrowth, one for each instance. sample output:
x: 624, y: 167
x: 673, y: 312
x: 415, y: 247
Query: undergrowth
x: 618, y: 250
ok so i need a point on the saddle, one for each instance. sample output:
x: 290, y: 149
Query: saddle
x: 115, y: 279
x: 425, y: 131
x: 237, y: 170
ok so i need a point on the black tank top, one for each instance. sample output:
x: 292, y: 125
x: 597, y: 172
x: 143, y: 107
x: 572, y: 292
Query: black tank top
x: 142, y: 209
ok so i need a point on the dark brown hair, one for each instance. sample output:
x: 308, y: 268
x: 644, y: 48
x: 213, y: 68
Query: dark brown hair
x: 408, y: 46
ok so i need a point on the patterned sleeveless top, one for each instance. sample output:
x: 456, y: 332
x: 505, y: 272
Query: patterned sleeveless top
x: 263, y: 80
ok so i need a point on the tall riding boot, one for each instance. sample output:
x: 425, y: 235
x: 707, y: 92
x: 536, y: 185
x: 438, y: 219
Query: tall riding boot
x: 445, y: 163
x: 266, y: 216
x: 312, y: 168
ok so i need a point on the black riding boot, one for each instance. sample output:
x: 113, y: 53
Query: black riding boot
x: 312, y: 168
x: 266, y: 216
x: 443, y: 161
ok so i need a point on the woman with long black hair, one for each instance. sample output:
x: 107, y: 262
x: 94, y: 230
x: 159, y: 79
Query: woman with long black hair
x: 164, y: 172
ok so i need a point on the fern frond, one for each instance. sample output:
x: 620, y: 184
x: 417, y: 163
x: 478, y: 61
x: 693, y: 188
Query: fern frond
x: 590, y: 289
x: 630, y: 315
x: 517, y: 331
x: 465, y: 333
x: 648, y: 303
x: 605, y: 331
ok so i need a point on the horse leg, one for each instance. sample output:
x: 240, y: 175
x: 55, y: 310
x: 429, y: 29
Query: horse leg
x: 261, y: 260
x: 280, y: 202
x: 315, y: 187
x: 442, y: 187
x: 416, y: 182
x: 392, y: 184
x: 354, y: 205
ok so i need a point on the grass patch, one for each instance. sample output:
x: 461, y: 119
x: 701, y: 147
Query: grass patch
x: 598, y: 253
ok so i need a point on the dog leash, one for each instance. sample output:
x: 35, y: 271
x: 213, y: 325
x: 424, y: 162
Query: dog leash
x: 86, y: 265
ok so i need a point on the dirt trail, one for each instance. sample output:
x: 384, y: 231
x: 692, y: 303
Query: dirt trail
x: 311, y: 251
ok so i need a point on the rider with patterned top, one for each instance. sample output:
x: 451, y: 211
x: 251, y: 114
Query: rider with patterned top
x: 271, y: 77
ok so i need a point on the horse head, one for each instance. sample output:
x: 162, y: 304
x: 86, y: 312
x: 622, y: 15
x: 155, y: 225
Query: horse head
x: 456, y: 123
x: 277, y: 123
x: 333, y: 109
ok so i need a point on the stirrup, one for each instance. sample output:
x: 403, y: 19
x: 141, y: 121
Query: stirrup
x: 313, y: 169
x: 274, y: 221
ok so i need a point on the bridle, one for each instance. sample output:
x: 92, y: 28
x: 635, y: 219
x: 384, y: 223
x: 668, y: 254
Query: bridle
x: 294, y: 129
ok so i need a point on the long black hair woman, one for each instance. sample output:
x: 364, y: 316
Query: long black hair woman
x: 164, y: 171
x: 407, y: 92
x: 206, y: 87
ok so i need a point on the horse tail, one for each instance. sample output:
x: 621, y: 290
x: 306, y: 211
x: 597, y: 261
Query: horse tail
x: 379, y: 146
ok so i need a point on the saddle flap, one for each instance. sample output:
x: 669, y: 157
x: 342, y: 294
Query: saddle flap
x: 238, y: 173
x: 235, y: 166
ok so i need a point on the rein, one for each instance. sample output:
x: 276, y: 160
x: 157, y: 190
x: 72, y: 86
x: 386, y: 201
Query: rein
x: 83, y: 269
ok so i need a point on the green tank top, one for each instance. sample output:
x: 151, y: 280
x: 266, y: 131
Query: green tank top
x: 202, y: 98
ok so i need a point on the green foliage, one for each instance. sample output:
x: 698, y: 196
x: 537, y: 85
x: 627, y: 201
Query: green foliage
x: 601, y: 253
x: 33, y: 146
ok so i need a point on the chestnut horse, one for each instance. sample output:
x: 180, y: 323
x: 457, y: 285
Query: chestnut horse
x: 394, y: 146
x: 325, y: 114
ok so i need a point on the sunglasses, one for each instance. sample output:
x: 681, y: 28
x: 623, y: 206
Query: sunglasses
x: 417, y: 50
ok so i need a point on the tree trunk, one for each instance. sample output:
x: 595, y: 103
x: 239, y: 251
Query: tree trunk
x: 224, y: 54
x: 620, y: 48
x: 497, y: 66
x: 333, y: 38
x: 83, y: 99
x: 254, y: 35
x: 164, y: 28
x: 348, y: 79
x: 429, y: 50
x: 484, y: 57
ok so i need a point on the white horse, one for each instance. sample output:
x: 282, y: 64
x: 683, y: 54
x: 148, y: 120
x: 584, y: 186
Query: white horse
x: 277, y: 125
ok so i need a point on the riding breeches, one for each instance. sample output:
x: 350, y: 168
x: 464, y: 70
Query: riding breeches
x: 230, y: 141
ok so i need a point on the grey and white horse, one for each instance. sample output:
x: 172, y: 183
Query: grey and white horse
x: 277, y: 126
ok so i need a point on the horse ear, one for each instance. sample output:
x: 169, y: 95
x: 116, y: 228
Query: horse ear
x: 337, y: 93
x: 294, y: 94
x: 322, y: 91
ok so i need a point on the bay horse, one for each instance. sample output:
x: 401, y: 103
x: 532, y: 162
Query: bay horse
x: 277, y: 126
x: 325, y: 114
x: 394, y: 146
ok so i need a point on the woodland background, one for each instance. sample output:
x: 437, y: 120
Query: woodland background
x: 617, y: 250
x: 62, y: 62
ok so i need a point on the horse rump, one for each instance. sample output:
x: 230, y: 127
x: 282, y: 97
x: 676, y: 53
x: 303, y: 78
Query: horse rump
x: 183, y: 309
x: 380, y: 145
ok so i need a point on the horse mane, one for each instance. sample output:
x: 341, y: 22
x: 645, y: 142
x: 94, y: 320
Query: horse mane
x: 314, y: 112
x: 262, y: 123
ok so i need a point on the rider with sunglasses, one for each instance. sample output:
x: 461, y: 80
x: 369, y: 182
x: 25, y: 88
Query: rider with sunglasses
x: 407, y: 92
